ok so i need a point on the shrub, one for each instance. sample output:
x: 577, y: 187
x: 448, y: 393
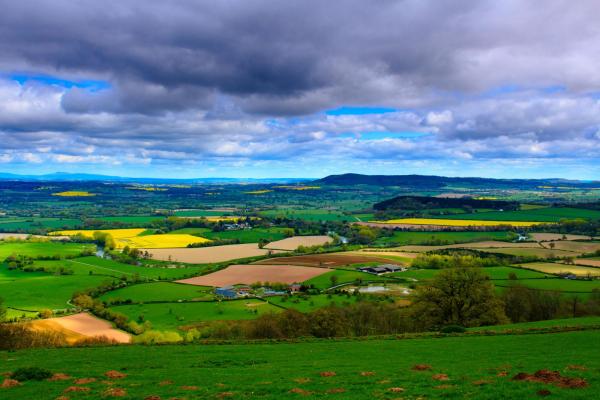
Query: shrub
x: 453, y: 329
x: 31, y: 374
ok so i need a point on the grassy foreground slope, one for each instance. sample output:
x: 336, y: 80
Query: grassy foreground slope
x: 479, y: 367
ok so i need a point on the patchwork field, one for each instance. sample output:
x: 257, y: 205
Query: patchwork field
x: 308, y: 214
x: 554, y: 268
x: 457, y: 222
x: 83, y: 324
x: 328, y: 259
x: 160, y: 241
x: 549, y: 214
x: 212, y: 254
x: 293, y: 243
x: 547, y: 237
x: 588, y: 261
x: 357, y: 368
x: 340, y: 276
x: 36, y: 223
x: 254, y: 235
x: 248, y: 274
x: 400, y: 238
x: 89, y: 233
x: 577, y: 247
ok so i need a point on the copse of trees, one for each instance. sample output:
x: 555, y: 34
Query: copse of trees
x: 2, y: 310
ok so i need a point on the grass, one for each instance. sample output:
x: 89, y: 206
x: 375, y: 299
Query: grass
x: 566, y: 286
x: 274, y: 371
x: 565, y: 322
x: 33, y: 224
x: 343, y: 276
x: 159, y: 291
x: 41, y: 248
x: 311, y: 303
x: 495, y: 273
x: 132, y: 219
x: 309, y: 214
x: 458, y: 222
x: 170, y: 316
x: 528, y: 251
x: 199, y: 213
x: 401, y: 238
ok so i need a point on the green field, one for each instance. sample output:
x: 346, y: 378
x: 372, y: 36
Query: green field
x: 309, y: 214
x: 478, y: 367
x: 566, y: 322
x: 550, y: 214
x: 39, y: 248
x: 199, y: 213
x: 500, y: 273
x: 312, y: 302
x: 35, y: 291
x: 566, y: 286
x: 159, y: 291
x: 170, y: 316
x: 140, y: 220
x: 243, y: 235
x: 401, y: 238
x: 32, y: 224
x: 343, y: 276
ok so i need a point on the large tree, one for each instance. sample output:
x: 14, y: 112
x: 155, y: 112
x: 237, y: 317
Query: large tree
x: 458, y: 296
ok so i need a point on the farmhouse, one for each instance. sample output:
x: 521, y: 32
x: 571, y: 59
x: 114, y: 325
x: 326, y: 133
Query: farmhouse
x: 382, y: 269
x: 227, y: 292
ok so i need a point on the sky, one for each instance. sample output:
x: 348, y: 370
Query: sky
x: 270, y: 88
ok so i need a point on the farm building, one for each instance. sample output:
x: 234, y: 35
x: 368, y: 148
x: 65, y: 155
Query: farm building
x: 295, y: 287
x: 382, y: 269
x: 227, y: 292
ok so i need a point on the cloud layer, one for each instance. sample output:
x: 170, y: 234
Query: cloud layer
x: 238, y: 87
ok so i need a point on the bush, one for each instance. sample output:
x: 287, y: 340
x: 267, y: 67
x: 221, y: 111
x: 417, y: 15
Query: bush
x: 453, y: 329
x: 31, y: 374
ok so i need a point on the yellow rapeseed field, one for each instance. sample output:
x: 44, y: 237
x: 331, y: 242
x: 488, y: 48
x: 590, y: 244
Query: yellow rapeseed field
x: 456, y: 222
x: 160, y: 241
x: 259, y: 191
x: 73, y: 193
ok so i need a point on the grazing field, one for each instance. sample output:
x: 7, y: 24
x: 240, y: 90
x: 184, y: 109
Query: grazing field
x: 159, y: 291
x: 249, y: 274
x: 203, y: 213
x: 311, y: 303
x: 565, y: 322
x: 466, y: 222
x: 212, y: 254
x: 533, y: 252
x: 328, y: 259
x: 133, y: 219
x: 495, y: 273
x: 160, y: 241
x: 358, y: 369
x: 581, y: 288
x: 85, y: 325
x: 554, y: 268
x: 293, y: 243
x: 102, y: 266
x: 42, y: 248
x: 477, y: 245
x: 400, y: 238
x: 171, y: 316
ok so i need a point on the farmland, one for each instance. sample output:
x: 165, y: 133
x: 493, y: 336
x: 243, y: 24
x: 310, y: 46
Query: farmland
x: 461, y: 222
x: 244, y: 235
x: 212, y: 254
x: 42, y: 248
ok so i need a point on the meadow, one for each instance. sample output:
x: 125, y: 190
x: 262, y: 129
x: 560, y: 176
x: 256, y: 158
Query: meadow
x: 159, y: 291
x: 458, y: 222
x: 15, y: 224
x: 554, y: 268
x: 171, y: 316
x: 42, y: 248
x: 312, y: 303
x: 549, y: 214
x: 254, y: 235
x: 364, y: 369
x: 400, y: 238
x: 308, y: 214
x: 341, y: 276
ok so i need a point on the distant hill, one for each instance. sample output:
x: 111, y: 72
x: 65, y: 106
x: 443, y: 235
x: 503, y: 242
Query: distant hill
x: 69, y: 177
x: 425, y: 202
x: 437, y: 182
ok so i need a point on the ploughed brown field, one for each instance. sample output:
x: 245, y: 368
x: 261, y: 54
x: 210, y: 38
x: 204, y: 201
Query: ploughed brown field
x: 211, y: 254
x: 248, y: 274
x: 588, y: 262
x: 294, y: 242
x: 326, y: 260
x: 81, y: 325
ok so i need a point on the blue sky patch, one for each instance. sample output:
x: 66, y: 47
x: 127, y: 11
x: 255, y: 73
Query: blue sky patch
x: 91, y: 85
x: 344, y: 110
x: 385, y: 135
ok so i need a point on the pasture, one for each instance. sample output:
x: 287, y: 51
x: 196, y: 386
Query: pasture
x: 341, y: 276
x: 254, y: 235
x: 290, y: 370
x: 82, y: 324
x: 548, y: 214
x: 330, y: 259
x: 308, y: 214
x: 159, y: 291
x: 400, y: 238
x: 171, y: 316
x: 311, y: 303
x: 38, y: 248
x: 253, y: 273
x: 36, y: 223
